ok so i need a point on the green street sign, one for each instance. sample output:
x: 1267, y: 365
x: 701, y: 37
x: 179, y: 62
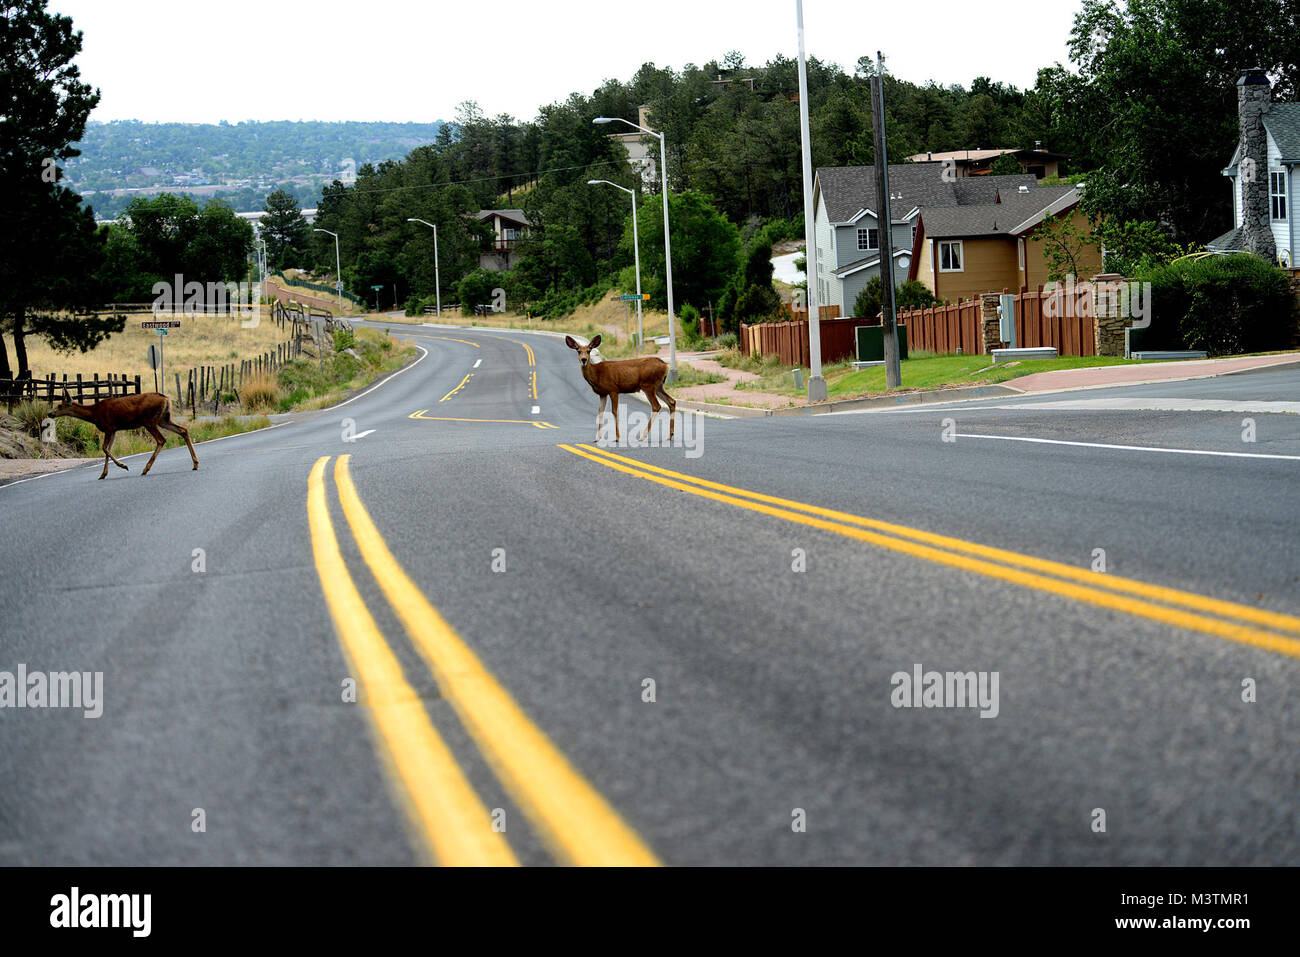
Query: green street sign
x: 630, y: 298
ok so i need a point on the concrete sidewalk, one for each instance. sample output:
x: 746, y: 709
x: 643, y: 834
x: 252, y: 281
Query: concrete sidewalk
x: 705, y: 398
x: 1145, y: 372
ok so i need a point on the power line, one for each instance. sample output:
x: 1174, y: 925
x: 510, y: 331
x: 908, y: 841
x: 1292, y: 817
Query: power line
x: 484, y: 179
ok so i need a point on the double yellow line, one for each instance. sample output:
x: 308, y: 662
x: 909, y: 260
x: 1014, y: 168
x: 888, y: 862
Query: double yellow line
x: 1223, y: 619
x: 575, y: 823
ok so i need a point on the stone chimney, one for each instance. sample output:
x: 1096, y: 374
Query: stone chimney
x: 1253, y: 97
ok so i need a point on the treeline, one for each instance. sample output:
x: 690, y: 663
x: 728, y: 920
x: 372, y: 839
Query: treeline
x: 1148, y: 114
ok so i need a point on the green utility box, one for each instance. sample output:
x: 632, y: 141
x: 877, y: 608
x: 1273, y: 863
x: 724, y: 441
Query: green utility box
x: 871, y: 342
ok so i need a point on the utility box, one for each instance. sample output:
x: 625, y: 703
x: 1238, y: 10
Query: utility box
x: 871, y: 342
x: 1007, y: 319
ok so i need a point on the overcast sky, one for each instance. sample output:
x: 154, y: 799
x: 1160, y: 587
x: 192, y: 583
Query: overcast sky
x: 389, y: 60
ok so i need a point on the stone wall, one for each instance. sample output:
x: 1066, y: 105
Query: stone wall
x: 990, y: 328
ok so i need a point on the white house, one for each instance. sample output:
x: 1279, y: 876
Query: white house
x: 1263, y: 173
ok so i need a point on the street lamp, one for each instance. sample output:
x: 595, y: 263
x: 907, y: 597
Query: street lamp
x: 437, y: 282
x: 338, y: 265
x: 816, y: 382
x: 636, y: 248
x: 668, y: 250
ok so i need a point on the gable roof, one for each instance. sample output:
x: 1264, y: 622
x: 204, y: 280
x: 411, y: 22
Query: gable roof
x: 976, y: 156
x: 1283, y: 123
x: 1016, y: 214
x: 853, y: 267
x: 846, y: 191
x: 513, y: 215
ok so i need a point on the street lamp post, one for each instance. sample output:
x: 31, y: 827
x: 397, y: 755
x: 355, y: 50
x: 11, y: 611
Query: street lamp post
x: 668, y: 249
x: 636, y: 250
x: 437, y: 281
x: 338, y: 265
x: 816, y: 382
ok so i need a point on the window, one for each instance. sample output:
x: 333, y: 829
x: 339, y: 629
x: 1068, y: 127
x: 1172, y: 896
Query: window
x: 1276, y: 193
x: 913, y: 236
x: 950, y: 256
x: 868, y: 239
x: 1020, y: 253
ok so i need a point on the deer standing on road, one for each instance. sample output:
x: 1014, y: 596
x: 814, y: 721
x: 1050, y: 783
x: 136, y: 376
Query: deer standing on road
x: 150, y: 411
x: 612, y: 378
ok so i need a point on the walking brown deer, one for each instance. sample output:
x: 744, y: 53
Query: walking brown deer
x: 150, y: 411
x: 612, y: 378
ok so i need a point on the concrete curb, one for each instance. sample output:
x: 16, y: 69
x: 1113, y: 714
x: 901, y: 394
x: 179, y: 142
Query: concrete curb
x: 934, y: 396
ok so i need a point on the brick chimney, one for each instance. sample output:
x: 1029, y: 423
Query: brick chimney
x: 1253, y: 97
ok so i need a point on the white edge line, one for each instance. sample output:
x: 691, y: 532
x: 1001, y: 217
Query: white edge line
x: 1130, y: 448
x: 382, y: 382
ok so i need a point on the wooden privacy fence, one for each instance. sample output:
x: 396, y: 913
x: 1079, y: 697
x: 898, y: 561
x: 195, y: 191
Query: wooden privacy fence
x: 947, y: 328
x: 789, y: 340
x: 50, y: 389
x: 1063, y: 318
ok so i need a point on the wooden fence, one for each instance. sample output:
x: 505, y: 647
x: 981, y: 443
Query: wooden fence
x: 1063, y: 319
x: 50, y: 389
x: 194, y: 387
x: 789, y: 340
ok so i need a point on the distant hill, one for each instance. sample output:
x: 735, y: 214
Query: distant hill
x: 240, y: 162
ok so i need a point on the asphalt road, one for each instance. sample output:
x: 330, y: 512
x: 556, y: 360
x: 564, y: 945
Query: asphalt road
x: 507, y: 597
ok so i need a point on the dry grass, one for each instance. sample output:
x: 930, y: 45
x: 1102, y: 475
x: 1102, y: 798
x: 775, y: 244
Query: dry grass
x: 259, y: 392
x: 201, y: 340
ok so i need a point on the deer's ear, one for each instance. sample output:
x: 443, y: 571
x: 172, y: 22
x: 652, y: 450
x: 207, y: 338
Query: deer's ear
x: 568, y: 341
x: 66, y: 396
x: 594, y: 343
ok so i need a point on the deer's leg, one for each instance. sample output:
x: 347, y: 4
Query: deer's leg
x: 613, y: 399
x: 108, y: 453
x: 184, y: 433
x: 672, y: 409
x: 600, y: 415
x: 654, y: 410
x: 157, y: 437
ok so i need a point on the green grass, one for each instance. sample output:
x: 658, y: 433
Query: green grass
x: 921, y: 371
x: 688, y: 375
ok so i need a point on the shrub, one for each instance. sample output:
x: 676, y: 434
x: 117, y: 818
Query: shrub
x: 344, y: 339
x: 476, y: 289
x: 31, y: 414
x: 867, y: 304
x: 758, y: 304
x: 913, y: 294
x: 728, y: 340
x: 259, y: 392
x: 1222, y: 304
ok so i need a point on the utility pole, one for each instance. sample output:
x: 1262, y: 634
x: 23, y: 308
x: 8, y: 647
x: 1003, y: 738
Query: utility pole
x: 893, y: 374
x: 816, y: 383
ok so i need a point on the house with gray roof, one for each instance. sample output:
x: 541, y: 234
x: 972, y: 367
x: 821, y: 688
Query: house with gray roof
x: 508, y: 227
x: 1263, y: 174
x: 847, y: 232
x: 965, y: 251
